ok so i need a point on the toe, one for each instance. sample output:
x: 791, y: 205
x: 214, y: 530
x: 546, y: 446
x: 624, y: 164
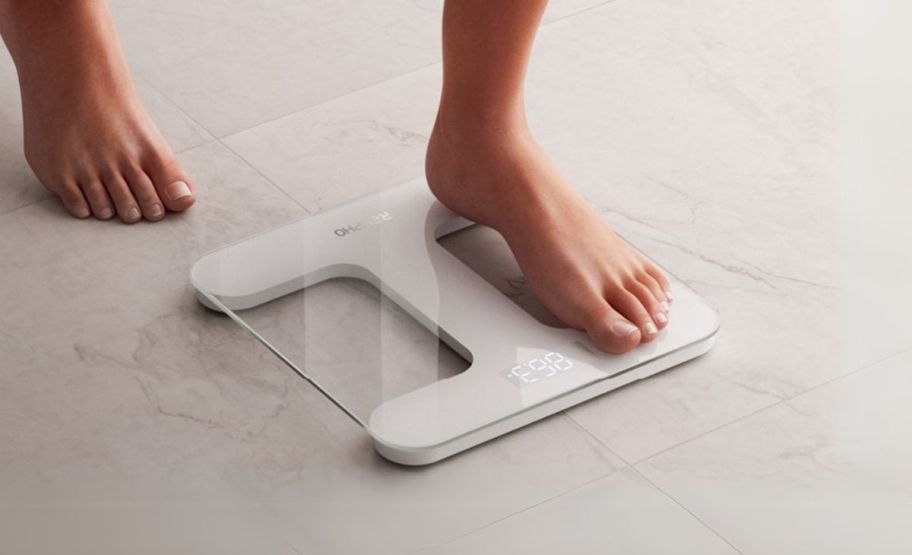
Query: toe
x: 73, y: 199
x: 630, y: 306
x: 654, y: 287
x: 126, y: 205
x: 652, y: 300
x: 660, y: 278
x: 94, y: 191
x: 174, y: 187
x: 610, y: 331
x: 145, y: 194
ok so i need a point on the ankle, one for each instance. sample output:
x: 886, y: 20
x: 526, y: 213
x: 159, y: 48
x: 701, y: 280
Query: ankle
x: 479, y: 120
x: 481, y: 172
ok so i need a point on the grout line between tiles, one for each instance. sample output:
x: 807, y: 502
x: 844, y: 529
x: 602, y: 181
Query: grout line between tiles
x: 381, y: 81
x: 32, y: 203
x: 691, y: 513
x: 551, y: 498
x: 180, y: 109
x: 252, y: 166
x: 595, y: 438
x: 331, y: 99
x: 291, y: 545
x: 222, y: 139
x: 663, y: 492
x: 219, y: 140
x: 634, y: 465
x: 776, y: 404
x: 518, y: 512
x: 577, y: 12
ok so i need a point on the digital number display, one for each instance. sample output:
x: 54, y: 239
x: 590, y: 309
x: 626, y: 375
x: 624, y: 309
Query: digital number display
x: 538, y: 369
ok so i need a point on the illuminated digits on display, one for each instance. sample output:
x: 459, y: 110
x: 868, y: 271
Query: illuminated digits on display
x: 537, y: 369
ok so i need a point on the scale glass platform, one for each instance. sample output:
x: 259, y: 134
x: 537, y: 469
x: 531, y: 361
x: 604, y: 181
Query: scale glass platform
x: 519, y: 369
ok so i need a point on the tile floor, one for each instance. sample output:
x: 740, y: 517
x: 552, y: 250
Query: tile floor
x: 757, y: 150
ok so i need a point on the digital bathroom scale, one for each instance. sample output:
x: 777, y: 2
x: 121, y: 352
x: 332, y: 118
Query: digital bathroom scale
x: 520, y: 369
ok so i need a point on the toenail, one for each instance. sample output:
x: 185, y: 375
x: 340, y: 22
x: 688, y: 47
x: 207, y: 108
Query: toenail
x: 82, y: 212
x: 178, y: 190
x: 623, y: 329
x: 133, y: 214
x: 650, y: 328
x: 664, y: 306
x: 105, y: 213
x: 669, y: 295
x: 661, y: 318
x: 155, y: 210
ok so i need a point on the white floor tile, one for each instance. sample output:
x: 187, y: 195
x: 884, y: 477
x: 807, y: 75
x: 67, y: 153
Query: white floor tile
x: 826, y: 472
x: 187, y: 415
x: 350, y: 146
x: 622, y: 513
x: 232, y: 69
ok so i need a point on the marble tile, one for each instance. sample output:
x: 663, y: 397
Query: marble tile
x: 202, y: 529
x: 187, y: 411
x: 181, y: 132
x: 556, y: 9
x: 234, y: 69
x: 370, y: 505
x: 18, y: 185
x: 81, y: 454
x: 622, y: 513
x: 349, y: 146
x: 826, y: 472
x: 874, y: 149
x: 66, y: 280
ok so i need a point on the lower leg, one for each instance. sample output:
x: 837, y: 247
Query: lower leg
x: 486, y: 48
x: 87, y: 137
x: 484, y: 164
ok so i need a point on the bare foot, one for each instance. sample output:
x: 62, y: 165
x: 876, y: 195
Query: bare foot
x: 579, y: 269
x: 87, y: 136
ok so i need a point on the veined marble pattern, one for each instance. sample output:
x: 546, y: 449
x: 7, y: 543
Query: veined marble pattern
x: 622, y: 513
x: 826, y: 472
x: 757, y: 150
x: 235, y: 66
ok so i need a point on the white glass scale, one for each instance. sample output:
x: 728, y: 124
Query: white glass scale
x: 520, y: 369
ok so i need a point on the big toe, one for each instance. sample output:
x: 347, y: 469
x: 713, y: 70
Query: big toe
x: 611, y: 332
x: 173, y: 185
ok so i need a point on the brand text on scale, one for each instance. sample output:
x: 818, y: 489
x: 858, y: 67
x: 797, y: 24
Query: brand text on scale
x: 377, y: 218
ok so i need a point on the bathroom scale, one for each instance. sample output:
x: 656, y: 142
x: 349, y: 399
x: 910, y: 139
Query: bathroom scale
x: 519, y: 369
